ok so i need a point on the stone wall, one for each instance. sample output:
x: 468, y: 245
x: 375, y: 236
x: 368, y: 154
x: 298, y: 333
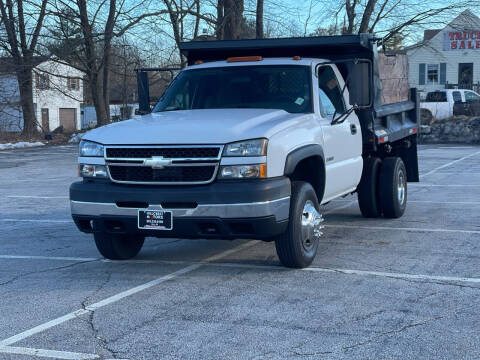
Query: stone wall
x: 456, y: 130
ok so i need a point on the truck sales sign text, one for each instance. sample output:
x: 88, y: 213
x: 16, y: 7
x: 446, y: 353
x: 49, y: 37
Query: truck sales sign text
x: 458, y: 40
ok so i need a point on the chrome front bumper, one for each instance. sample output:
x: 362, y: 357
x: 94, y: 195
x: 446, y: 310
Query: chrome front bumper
x: 279, y: 208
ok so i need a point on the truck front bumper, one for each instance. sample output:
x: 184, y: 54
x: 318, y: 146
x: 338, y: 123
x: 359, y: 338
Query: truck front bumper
x: 224, y: 210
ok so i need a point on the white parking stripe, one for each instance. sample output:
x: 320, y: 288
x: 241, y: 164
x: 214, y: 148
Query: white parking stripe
x: 440, y: 185
x: 60, y: 258
x: 47, y: 353
x: 395, y: 275
x: 280, y: 268
x: 36, y: 197
x: 450, y: 164
x: 37, y: 220
x: 456, y: 231
x: 420, y: 202
x: 112, y: 299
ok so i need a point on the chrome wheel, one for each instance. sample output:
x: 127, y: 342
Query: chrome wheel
x: 311, y: 226
x: 401, y: 187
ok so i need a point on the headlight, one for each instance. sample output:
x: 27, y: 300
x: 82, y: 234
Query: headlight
x: 243, y: 171
x: 256, y: 147
x: 90, y: 171
x: 88, y: 148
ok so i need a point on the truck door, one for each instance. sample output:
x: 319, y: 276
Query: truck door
x: 342, y: 137
x: 473, y: 101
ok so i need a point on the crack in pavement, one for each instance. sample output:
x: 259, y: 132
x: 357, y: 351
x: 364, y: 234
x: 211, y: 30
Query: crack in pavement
x: 15, y: 278
x: 390, y: 332
x: 101, y: 341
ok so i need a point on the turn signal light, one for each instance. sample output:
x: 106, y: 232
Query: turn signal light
x: 244, y: 58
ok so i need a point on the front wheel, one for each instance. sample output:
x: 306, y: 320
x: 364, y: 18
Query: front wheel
x: 297, y: 247
x: 118, y: 247
x: 393, y: 187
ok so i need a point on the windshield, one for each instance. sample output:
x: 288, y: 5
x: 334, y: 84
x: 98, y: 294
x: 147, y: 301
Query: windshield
x: 258, y: 87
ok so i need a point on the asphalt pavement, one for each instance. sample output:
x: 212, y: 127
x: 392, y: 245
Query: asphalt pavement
x: 379, y: 289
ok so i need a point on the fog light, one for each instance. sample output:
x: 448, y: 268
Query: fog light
x: 86, y: 170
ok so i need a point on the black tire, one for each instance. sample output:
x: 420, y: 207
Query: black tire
x: 118, y: 247
x: 367, y: 190
x: 426, y: 117
x: 292, y: 250
x: 393, y: 177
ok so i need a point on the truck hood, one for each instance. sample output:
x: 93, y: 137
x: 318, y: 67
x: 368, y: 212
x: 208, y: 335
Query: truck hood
x: 218, y: 126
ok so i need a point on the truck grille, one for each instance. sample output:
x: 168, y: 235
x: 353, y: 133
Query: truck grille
x: 168, y: 153
x: 169, y: 174
x: 183, y: 164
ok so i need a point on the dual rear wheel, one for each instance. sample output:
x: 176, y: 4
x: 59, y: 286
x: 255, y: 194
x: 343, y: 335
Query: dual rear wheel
x: 383, y: 188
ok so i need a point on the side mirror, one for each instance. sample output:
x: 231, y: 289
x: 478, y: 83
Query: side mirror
x: 359, y: 84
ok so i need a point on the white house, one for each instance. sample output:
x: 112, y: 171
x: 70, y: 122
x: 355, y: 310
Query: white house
x: 57, y: 96
x: 448, y: 57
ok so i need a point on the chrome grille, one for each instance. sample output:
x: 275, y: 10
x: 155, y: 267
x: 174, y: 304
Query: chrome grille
x: 179, y: 164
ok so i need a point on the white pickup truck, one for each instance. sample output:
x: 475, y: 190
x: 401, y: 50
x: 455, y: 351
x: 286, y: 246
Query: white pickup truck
x: 247, y: 143
x: 445, y: 104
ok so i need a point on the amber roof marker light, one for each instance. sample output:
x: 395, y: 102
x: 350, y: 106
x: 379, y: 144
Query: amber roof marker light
x: 244, y: 58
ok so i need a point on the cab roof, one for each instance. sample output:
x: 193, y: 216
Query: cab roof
x: 263, y: 62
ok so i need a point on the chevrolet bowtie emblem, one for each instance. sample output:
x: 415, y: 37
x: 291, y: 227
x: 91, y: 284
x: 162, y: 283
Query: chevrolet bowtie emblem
x: 157, y: 162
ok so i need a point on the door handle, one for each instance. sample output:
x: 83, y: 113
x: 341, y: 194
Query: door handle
x: 353, y: 129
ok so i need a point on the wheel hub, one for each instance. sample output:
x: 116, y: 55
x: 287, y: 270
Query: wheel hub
x: 401, y: 187
x: 311, y: 226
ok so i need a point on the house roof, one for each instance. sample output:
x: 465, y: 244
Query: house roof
x: 429, y: 34
x: 465, y: 20
x: 8, y: 65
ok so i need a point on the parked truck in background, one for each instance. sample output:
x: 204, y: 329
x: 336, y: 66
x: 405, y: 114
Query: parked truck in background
x: 445, y: 104
x: 248, y: 142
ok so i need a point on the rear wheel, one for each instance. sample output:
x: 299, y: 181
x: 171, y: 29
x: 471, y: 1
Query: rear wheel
x: 367, y: 190
x: 118, y: 247
x: 297, y: 247
x: 393, y: 187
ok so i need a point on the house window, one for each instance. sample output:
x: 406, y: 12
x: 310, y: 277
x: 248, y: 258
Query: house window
x: 432, y: 74
x: 73, y: 84
x: 42, y: 81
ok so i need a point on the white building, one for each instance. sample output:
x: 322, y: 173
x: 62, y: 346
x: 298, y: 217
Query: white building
x: 57, y: 96
x: 448, y: 57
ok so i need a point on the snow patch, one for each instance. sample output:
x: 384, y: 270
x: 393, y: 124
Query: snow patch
x: 75, y: 138
x: 20, y: 145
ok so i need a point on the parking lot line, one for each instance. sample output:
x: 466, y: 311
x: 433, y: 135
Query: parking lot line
x: 211, y: 263
x: 37, y: 220
x: 456, y: 231
x: 415, y: 202
x: 440, y: 185
x: 396, y: 275
x: 60, y: 258
x: 449, y: 164
x: 112, y: 299
x: 67, y: 355
x: 36, y: 197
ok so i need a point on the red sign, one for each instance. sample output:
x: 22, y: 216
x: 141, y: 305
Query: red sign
x: 462, y: 40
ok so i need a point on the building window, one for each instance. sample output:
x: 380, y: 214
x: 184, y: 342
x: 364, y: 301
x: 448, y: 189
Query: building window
x: 73, y: 84
x: 42, y: 81
x: 432, y: 74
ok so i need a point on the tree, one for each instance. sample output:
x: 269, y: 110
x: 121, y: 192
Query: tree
x: 100, y: 22
x: 20, y: 42
x: 177, y: 13
x: 389, y: 18
x: 230, y: 19
x: 259, y: 20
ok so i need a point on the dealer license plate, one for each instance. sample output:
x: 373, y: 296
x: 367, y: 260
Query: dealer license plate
x: 155, y: 220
